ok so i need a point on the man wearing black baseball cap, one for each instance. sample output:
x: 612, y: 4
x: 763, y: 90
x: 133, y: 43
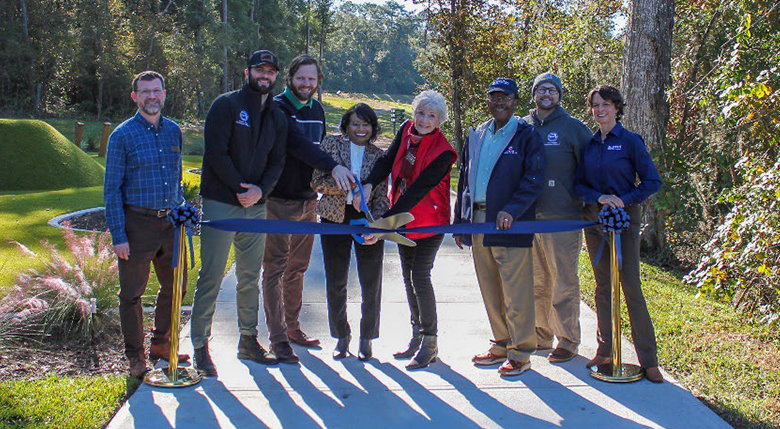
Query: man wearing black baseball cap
x: 501, y: 175
x: 245, y: 137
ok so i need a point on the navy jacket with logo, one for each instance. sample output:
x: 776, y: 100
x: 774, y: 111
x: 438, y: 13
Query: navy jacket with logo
x: 612, y: 167
x: 513, y: 187
x: 245, y: 142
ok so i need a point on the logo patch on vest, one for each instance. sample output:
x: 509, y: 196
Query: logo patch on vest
x: 243, y: 118
x: 615, y: 147
x: 510, y: 151
x: 552, y: 139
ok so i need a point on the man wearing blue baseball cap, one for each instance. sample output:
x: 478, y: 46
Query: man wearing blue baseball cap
x: 556, y: 256
x: 501, y: 173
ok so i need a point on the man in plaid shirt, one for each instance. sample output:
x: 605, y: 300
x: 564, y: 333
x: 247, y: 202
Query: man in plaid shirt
x: 142, y: 183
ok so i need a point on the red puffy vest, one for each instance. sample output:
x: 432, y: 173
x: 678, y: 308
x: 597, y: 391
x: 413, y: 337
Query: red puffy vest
x: 434, y: 208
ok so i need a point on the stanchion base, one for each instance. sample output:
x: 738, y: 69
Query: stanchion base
x: 628, y: 373
x: 161, y: 377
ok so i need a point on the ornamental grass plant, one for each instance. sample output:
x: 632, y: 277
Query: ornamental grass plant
x: 69, y: 297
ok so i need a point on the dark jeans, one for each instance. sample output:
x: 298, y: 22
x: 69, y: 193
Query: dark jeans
x: 642, y: 331
x: 151, y: 241
x: 416, y: 265
x: 336, y: 250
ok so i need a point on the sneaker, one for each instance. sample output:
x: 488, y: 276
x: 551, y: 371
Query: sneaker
x: 299, y: 337
x: 203, y: 362
x: 513, y: 367
x: 487, y: 358
x: 138, y: 367
x: 561, y: 355
x: 284, y: 352
x: 250, y: 348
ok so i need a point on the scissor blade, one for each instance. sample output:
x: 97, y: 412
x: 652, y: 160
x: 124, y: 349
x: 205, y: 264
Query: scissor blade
x: 392, y: 222
x: 398, y: 238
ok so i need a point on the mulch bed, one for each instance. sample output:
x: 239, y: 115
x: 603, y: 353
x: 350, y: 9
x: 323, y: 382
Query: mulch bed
x: 91, y: 221
x: 34, y: 359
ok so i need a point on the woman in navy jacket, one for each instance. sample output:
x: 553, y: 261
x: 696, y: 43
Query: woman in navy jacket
x: 607, y: 176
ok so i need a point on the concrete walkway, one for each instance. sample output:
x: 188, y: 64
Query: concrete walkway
x: 452, y: 393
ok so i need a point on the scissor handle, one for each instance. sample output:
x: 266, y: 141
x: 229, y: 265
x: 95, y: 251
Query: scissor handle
x: 362, y: 222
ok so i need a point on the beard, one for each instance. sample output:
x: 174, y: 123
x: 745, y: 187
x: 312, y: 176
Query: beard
x: 151, y: 107
x: 303, y: 95
x: 548, y: 104
x: 262, y: 88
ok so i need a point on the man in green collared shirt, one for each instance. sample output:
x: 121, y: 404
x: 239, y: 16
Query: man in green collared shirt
x: 287, y: 256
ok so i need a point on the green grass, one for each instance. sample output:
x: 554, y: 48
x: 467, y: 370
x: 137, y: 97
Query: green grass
x: 62, y: 402
x: 24, y: 218
x: 34, y: 156
x: 191, y: 134
x: 337, y: 105
x: 729, y: 362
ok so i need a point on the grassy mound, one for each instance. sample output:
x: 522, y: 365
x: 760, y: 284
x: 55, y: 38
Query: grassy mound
x: 35, y: 156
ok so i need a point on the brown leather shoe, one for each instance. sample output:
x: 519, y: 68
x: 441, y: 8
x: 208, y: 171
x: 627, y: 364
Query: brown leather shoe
x: 138, y: 366
x: 654, y: 375
x: 561, y: 355
x: 163, y: 351
x: 598, y: 360
x: 299, y: 337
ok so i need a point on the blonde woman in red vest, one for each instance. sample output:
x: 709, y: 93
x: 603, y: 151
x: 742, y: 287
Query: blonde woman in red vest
x: 420, y: 160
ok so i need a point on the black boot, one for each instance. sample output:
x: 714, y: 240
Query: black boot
x: 342, y: 347
x: 250, y: 348
x: 427, y: 353
x: 364, y: 352
x: 203, y: 362
x: 414, y: 345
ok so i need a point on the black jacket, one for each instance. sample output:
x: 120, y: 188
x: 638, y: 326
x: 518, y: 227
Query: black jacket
x: 306, y: 129
x: 245, y: 142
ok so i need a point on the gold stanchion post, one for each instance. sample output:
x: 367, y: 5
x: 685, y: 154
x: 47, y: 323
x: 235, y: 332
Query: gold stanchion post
x: 617, y: 371
x: 173, y: 375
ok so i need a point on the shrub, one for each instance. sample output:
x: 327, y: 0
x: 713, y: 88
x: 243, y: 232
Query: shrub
x: 742, y: 260
x: 65, y: 299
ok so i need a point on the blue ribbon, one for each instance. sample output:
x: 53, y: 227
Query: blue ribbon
x: 184, y: 216
x: 269, y: 226
x: 612, y: 220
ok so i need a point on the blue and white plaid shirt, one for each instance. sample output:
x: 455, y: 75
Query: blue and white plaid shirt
x: 143, y: 168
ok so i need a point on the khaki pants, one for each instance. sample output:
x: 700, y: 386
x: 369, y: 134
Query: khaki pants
x: 214, y: 250
x: 505, y: 276
x: 557, y: 289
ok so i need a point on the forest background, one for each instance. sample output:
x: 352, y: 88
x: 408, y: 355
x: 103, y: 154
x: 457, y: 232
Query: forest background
x: 717, y: 217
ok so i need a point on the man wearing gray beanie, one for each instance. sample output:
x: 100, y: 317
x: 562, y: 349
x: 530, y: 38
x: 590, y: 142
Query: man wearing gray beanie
x: 555, y: 256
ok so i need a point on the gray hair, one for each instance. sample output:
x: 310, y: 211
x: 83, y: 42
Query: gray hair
x: 431, y: 100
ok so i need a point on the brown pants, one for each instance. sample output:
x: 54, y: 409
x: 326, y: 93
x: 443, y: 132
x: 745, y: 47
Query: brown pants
x: 284, y: 264
x: 151, y: 241
x: 641, y: 325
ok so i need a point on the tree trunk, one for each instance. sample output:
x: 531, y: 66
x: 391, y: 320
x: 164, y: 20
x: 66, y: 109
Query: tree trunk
x: 646, y: 74
x: 225, y: 80
x: 456, y: 35
x: 323, y: 32
x: 308, y: 10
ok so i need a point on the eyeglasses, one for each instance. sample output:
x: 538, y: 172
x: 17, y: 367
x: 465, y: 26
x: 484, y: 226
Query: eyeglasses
x: 148, y: 92
x: 543, y: 91
x: 500, y: 98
